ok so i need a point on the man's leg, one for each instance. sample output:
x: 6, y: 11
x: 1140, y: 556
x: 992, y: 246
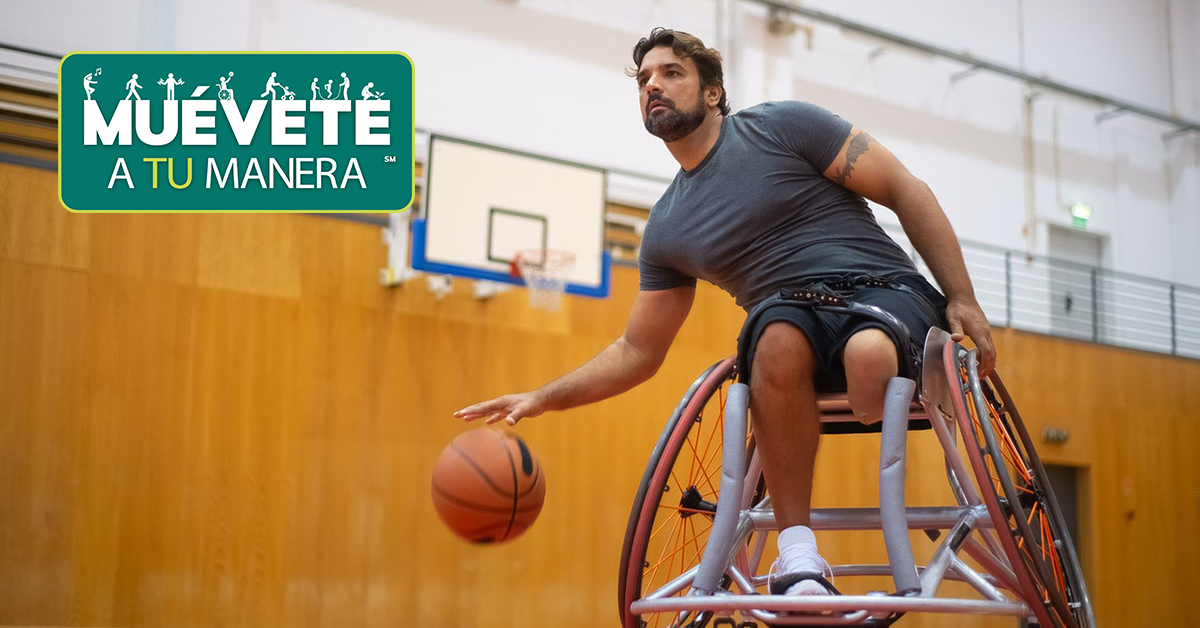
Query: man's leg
x: 870, y: 360
x: 787, y: 428
x: 783, y: 405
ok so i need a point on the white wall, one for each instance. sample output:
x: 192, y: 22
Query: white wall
x: 547, y: 76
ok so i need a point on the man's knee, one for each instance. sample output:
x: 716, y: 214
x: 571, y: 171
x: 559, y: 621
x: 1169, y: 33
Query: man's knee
x: 870, y: 361
x: 783, y: 356
x: 870, y: 351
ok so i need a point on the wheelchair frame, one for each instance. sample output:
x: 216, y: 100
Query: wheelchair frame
x: 1008, y: 583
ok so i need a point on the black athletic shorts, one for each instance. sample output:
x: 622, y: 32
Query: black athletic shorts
x: 919, y: 309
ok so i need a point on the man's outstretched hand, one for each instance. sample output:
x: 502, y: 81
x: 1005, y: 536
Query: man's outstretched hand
x: 967, y: 318
x: 509, y: 408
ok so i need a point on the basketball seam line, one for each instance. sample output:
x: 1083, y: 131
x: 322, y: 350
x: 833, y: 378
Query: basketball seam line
x: 466, y: 504
x: 537, y: 472
x: 483, y: 475
x: 513, y: 466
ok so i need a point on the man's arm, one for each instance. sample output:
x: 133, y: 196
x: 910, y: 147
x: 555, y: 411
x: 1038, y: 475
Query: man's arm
x: 867, y: 168
x: 632, y: 359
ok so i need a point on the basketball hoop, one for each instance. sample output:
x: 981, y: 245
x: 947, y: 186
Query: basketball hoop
x: 545, y: 273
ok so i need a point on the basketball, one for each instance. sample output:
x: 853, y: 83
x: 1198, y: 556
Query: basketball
x: 487, y: 486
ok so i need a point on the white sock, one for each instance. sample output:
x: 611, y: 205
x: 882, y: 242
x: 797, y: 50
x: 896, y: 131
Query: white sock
x: 797, y: 534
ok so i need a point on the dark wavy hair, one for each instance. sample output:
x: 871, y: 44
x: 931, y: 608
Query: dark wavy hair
x: 685, y: 46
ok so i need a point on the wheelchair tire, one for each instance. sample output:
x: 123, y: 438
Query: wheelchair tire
x: 1017, y: 491
x: 681, y: 480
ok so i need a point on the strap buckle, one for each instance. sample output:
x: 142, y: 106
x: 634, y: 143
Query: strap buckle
x: 810, y: 296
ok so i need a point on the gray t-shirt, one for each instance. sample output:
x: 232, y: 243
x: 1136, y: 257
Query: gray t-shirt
x: 757, y: 215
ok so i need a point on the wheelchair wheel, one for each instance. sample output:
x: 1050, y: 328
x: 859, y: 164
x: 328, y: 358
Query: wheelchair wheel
x: 1014, y: 486
x: 676, y: 500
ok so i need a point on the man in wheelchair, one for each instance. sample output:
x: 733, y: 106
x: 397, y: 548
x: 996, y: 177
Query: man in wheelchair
x: 771, y: 200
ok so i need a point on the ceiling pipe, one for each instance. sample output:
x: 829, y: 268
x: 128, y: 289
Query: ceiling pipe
x: 1181, y: 124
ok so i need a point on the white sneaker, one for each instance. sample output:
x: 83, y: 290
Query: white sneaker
x: 799, y: 570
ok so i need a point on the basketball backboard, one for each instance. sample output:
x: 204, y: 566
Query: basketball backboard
x: 484, y: 203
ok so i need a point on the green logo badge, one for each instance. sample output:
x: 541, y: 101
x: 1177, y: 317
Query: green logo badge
x: 236, y: 132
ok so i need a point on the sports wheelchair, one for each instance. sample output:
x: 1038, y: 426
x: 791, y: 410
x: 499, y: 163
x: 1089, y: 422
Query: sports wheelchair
x: 694, y: 546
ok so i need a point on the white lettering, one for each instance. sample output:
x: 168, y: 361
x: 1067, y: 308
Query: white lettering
x: 117, y: 129
x: 281, y: 122
x: 212, y: 169
x: 120, y: 167
x: 275, y: 167
x: 197, y: 124
x: 303, y: 173
x: 244, y: 128
x: 170, y: 123
x: 253, y: 171
x: 364, y: 122
x: 353, y: 166
x: 300, y: 172
x: 193, y: 122
x: 321, y: 172
x: 329, y: 118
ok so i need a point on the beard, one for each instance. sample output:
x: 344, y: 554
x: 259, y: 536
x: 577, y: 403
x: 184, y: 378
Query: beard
x: 674, y: 124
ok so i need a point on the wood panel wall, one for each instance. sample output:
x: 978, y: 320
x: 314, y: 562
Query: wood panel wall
x: 222, y: 420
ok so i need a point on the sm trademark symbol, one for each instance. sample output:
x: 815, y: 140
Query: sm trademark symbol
x: 389, y: 159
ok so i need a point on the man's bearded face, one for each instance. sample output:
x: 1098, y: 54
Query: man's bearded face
x: 667, y: 121
x: 670, y: 94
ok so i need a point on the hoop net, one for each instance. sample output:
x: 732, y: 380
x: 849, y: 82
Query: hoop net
x: 545, y: 273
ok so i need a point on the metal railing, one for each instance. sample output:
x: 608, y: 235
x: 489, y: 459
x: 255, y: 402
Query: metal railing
x: 1062, y: 298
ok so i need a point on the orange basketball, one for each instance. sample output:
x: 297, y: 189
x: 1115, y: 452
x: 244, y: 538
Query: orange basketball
x: 487, y: 486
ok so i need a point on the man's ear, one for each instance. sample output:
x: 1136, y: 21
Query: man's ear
x: 712, y: 95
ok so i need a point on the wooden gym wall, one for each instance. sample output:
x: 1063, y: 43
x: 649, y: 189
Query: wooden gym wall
x: 222, y: 420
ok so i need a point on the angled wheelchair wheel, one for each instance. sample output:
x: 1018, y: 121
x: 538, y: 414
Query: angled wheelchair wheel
x: 676, y: 501
x: 1016, y: 489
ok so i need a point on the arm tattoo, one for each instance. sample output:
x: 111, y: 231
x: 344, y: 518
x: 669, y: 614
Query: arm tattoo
x: 858, y: 146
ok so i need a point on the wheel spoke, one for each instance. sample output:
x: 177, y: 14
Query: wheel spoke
x: 679, y: 546
x: 705, y: 474
x: 708, y: 480
x: 654, y: 569
x: 1055, y: 562
x: 696, y: 545
x: 1019, y: 488
x: 692, y: 445
x: 664, y: 525
x: 1008, y: 448
x: 716, y: 451
x: 678, y: 485
x: 710, y: 459
x: 693, y: 475
x: 1032, y: 512
x: 749, y: 438
x: 713, y: 433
